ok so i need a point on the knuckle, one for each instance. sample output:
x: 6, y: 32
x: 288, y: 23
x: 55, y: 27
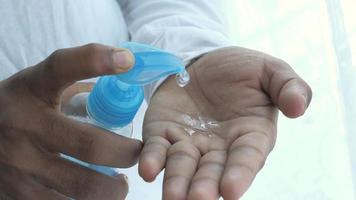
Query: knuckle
x: 174, y: 177
x: 86, y: 148
x: 266, y: 141
x: 281, y: 62
x: 129, y: 162
x: 77, y: 141
x: 216, y: 165
x: 158, y: 140
x: 94, y: 47
x: 183, y: 148
x: 249, y: 150
x: 170, y: 189
x: 276, y: 63
x: 53, y: 59
x: 214, y: 160
x: 135, y: 153
x: 248, y: 170
x: 49, y: 66
x: 128, y: 154
x: 245, y: 153
x: 50, y: 126
x: 98, y: 55
x: 199, y: 192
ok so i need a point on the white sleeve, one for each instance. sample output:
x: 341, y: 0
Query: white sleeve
x: 187, y: 28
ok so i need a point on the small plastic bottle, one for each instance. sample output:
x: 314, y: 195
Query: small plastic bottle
x: 115, y: 100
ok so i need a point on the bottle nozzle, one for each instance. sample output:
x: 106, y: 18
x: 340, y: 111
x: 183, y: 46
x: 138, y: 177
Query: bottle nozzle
x: 150, y: 64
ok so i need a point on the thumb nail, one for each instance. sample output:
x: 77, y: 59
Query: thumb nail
x: 122, y: 59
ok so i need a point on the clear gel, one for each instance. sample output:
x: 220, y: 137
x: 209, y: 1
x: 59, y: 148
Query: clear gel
x: 199, y: 125
x: 182, y: 78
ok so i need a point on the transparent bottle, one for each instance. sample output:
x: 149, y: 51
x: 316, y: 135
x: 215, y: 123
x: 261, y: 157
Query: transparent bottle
x: 115, y: 100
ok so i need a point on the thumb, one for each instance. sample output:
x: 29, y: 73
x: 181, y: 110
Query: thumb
x: 66, y: 66
x: 288, y: 91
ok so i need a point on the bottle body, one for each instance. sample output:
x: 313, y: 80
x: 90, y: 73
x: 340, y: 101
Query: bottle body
x: 79, y: 103
x: 111, y: 105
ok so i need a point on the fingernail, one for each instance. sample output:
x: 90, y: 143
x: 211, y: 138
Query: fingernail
x: 123, y: 59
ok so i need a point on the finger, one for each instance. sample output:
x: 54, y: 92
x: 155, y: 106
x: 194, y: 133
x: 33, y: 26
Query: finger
x: 14, y: 184
x: 65, y: 66
x: 78, y: 182
x: 181, y: 165
x: 288, y: 91
x: 246, y: 157
x: 205, y: 183
x: 84, y: 141
x: 157, y: 141
x: 153, y: 157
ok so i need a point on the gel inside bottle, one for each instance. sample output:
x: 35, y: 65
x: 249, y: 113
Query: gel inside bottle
x: 115, y: 100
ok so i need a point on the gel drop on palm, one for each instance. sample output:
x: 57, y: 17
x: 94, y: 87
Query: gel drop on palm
x: 115, y: 99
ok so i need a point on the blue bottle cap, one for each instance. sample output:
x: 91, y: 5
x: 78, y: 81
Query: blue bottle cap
x: 112, y: 103
x: 115, y: 100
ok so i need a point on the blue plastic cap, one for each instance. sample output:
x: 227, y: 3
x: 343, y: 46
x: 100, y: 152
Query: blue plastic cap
x: 115, y: 100
x: 150, y: 64
x: 114, y: 104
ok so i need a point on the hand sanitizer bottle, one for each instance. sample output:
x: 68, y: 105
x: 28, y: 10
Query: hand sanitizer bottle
x: 115, y: 99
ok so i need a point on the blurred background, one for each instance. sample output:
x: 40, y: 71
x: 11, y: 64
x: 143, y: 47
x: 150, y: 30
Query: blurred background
x: 315, y: 156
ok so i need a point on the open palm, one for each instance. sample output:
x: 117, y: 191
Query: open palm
x: 241, y: 90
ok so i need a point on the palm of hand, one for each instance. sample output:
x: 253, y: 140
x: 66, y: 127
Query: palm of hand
x: 239, y: 88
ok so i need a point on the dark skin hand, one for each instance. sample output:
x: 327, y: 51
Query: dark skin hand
x: 33, y: 131
x: 241, y: 89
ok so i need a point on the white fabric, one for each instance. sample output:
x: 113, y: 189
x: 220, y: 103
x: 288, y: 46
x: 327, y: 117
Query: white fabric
x: 30, y: 30
x: 187, y: 28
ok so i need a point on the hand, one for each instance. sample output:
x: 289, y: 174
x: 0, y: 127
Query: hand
x: 33, y: 132
x: 239, y: 88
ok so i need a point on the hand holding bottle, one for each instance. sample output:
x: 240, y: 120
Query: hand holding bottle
x: 33, y: 132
